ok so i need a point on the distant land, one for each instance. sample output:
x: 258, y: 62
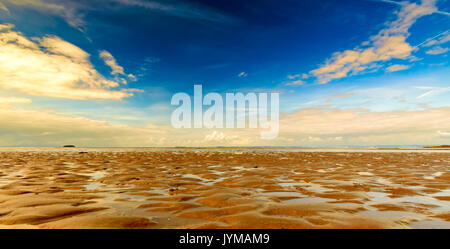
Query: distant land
x: 437, y: 146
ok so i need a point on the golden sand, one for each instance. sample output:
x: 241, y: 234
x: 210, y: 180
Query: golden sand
x: 187, y: 188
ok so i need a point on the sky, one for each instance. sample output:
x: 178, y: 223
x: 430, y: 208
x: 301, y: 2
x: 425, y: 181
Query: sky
x: 103, y: 72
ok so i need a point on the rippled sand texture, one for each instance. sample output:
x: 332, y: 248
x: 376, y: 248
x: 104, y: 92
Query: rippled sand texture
x: 223, y: 189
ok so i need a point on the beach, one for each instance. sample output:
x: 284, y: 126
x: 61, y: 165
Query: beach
x: 157, y: 188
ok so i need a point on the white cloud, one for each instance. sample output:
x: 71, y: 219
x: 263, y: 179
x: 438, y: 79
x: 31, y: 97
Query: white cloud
x: 132, y: 77
x: 295, y: 83
x: 437, y: 50
x: 217, y: 136
x: 444, y: 133
x: 339, y: 96
x: 394, y: 68
x: 295, y: 76
x: 51, y: 67
x: 242, y: 74
x: 111, y: 62
x: 389, y: 43
x: 57, y: 46
x: 116, y: 69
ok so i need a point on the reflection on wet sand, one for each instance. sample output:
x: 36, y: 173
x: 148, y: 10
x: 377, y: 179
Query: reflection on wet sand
x: 228, y: 188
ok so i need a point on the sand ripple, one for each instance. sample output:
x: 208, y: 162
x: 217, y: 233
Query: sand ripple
x: 223, y: 189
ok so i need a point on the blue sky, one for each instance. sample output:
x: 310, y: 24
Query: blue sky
x: 118, y: 62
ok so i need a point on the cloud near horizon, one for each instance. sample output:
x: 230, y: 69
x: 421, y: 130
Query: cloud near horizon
x: 305, y: 127
x: 337, y: 127
x: 51, y: 67
x: 29, y: 127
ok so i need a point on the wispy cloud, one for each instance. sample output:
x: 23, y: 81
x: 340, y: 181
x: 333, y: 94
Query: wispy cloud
x: 297, y: 76
x: 432, y: 91
x: 3, y: 7
x: 437, y: 50
x: 389, y: 43
x: 116, y: 69
x: 340, y: 96
x: 74, y: 11
x: 295, y: 83
x: 68, y: 10
x: 13, y: 100
x: 403, y: 3
x: 111, y: 62
x: 445, y: 134
x: 440, y: 38
x: 295, y: 79
x: 181, y: 9
x: 242, y: 75
x: 396, y: 67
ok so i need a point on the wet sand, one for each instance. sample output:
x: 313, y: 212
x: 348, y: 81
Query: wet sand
x: 223, y: 188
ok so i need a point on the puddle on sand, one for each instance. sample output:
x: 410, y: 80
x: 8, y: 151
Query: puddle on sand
x: 365, y: 174
x: 217, y: 172
x: 94, y: 185
x: 289, y: 184
x: 384, y: 181
x: 314, y: 187
x: 206, y: 182
x: 437, y: 174
x: 427, y: 201
x: 94, y: 175
x: 379, y: 197
x: 212, y: 182
x: 308, y: 200
x: 282, y: 194
x: 69, y: 165
x: 194, y: 177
